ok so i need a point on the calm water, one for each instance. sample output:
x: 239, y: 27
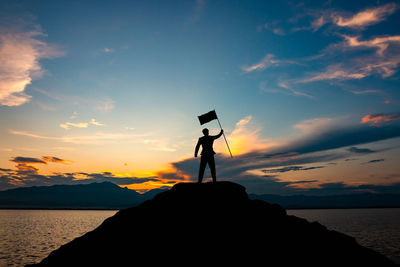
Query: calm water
x: 378, y: 229
x: 27, y: 236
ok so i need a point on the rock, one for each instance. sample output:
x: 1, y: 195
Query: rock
x: 210, y: 223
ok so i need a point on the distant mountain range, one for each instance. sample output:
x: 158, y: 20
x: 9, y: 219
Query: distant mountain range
x: 358, y: 200
x: 104, y: 195
x: 107, y: 195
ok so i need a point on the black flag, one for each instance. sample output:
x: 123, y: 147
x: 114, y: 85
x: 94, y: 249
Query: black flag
x: 209, y: 116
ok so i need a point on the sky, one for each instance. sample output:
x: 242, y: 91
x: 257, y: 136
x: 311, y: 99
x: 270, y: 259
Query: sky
x: 307, y: 93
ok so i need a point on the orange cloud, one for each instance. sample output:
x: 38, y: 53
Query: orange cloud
x: 381, y: 43
x: 365, y: 17
x: 20, y: 53
x: 377, y: 119
x: 244, y: 138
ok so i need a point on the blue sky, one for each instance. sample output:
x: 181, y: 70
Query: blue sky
x: 114, y: 88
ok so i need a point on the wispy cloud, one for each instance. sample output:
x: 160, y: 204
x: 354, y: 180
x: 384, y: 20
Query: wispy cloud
x: 68, y: 125
x: 365, y: 17
x: 360, y: 150
x: 94, y: 122
x: 292, y: 168
x: 292, y: 91
x: 313, y: 125
x: 20, y: 52
x: 337, y: 71
x: 198, y: 10
x: 274, y: 26
x: 366, y: 92
x: 378, y: 119
x: 105, y: 104
x: 268, y: 61
x: 380, y: 43
x: 383, y: 60
x: 83, y: 139
x: 374, y: 161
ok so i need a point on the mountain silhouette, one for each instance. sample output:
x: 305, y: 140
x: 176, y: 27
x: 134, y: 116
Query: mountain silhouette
x: 107, y: 195
x: 210, y: 224
x: 357, y: 200
x: 103, y: 195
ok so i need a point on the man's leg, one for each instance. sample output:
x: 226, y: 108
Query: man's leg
x: 203, y: 163
x: 211, y: 163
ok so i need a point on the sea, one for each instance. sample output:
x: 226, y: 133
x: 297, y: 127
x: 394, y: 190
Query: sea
x: 28, y: 236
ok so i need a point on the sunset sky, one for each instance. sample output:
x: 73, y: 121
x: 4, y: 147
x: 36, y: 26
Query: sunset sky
x: 308, y: 93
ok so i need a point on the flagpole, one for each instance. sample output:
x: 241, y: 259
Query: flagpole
x: 224, y: 137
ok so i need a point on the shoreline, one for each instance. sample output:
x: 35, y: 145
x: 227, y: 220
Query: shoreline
x: 289, y: 208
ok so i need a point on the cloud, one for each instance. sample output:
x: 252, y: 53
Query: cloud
x: 96, y: 138
x: 158, y: 145
x: 378, y: 119
x: 74, y: 115
x: 357, y: 150
x: 20, y: 52
x: 28, y: 160
x: 266, y: 62
x: 68, y: 125
x: 105, y: 104
x: 43, y: 160
x: 312, y: 125
x: 357, y: 68
x: 383, y: 60
x: 365, y: 17
x: 338, y: 136
x: 94, y: 122
x: 337, y: 71
x: 286, y: 85
x: 244, y: 138
x: 274, y: 27
x: 374, y: 161
x: 380, y: 43
x: 108, y: 50
x: 292, y: 91
x: 198, y: 10
x: 53, y: 159
x: 24, y: 167
x: 366, y: 92
x: 318, y: 23
x: 291, y: 168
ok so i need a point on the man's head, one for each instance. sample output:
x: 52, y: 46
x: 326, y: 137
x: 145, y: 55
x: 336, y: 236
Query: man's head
x: 205, y: 131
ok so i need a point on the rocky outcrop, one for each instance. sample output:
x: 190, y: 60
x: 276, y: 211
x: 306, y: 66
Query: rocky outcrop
x: 211, y: 223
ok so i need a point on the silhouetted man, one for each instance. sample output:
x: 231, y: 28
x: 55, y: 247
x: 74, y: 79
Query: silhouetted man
x: 207, y: 153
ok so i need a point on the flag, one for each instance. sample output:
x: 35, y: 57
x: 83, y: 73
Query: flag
x: 207, y: 117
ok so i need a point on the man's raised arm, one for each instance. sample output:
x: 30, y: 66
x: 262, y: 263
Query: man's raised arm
x: 219, y: 135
